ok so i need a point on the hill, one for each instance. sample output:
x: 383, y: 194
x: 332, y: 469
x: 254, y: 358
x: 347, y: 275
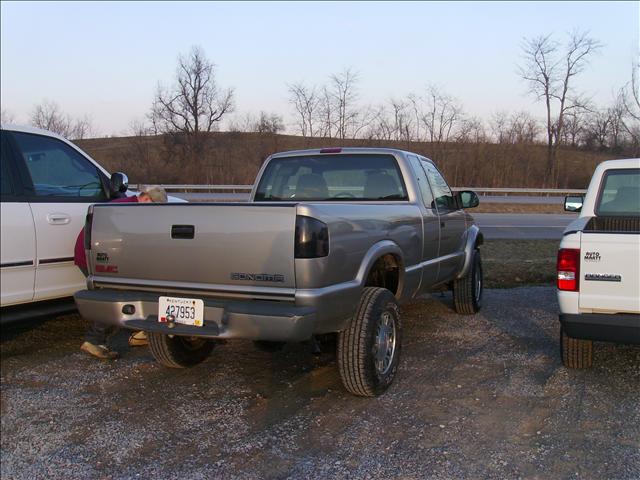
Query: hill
x: 235, y: 157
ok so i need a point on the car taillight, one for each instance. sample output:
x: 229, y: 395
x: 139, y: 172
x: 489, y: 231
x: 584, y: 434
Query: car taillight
x: 88, y: 223
x: 568, y: 268
x: 311, y: 238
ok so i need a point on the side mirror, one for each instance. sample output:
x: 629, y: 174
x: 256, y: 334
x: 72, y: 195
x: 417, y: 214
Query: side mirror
x: 573, y: 203
x: 468, y: 199
x: 118, y: 183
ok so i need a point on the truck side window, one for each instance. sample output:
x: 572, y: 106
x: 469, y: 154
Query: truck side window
x: 58, y: 171
x: 441, y: 191
x: 425, y: 189
x: 6, y: 183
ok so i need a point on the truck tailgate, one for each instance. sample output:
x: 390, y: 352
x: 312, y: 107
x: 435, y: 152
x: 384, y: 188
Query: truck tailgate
x: 610, y: 272
x: 214, y: 244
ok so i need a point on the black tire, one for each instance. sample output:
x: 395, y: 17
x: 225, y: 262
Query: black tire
x: 376, y: 323
x: 467, y: 291
x: 268, y: 346
x: 179, y: 352
x: 575, y: 352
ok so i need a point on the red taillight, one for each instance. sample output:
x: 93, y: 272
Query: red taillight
x: 330, y: 150
x: 88, y: 224
x: 568, y: 268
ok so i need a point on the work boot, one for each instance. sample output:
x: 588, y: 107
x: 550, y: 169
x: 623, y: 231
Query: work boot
x: 138, y: 339
x: 99, y: 351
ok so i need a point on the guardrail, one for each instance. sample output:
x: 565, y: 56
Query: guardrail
x: 524, y: 191
x: 199, y: 188
x: 247, y: 188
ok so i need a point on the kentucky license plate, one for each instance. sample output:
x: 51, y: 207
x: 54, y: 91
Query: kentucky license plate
x: 189, y: 311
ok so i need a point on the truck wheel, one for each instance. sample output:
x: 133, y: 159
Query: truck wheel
x: 179, y: 352
x: 575, y: 352
x: 369, y: 349
x: 467, y: 291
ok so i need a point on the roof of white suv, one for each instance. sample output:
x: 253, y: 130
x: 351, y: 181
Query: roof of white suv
x: 28, y: 129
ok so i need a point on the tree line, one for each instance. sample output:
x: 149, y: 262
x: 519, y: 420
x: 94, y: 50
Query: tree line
x: 194, y: 105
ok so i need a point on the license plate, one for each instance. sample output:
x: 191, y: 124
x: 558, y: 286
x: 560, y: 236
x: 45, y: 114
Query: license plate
x: 189, y: 311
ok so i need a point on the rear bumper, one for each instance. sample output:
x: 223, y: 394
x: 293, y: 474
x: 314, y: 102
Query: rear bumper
x: 254, y: 320
x: 618, y: 328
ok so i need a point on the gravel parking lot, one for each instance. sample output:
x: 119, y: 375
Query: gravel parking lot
x: 477, y: 397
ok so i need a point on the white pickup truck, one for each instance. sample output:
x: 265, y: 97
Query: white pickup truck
x: 47, y: 184
x: 599, y: 264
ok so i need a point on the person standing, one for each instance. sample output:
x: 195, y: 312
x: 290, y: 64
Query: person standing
x: 97, y: 334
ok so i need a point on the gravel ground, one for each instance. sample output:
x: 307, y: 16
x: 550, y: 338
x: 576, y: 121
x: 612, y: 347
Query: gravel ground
x: 477, y: 397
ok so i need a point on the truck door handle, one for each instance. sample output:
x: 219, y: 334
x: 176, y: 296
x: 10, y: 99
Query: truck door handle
x: 58, y: 218
x: 183, y: 231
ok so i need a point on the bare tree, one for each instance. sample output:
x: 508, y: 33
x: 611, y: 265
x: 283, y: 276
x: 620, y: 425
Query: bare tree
x: 343, y: 93
x: 49, y: 116
x: 441, y: 116
x: 326, y: 114
x: 574, y: 127
x: 499, y: 128
x: 305, y: 101
x: 629, y: 99
x: 194, y: 103
x: 519, y: 127
x: 597, y: 130
x: 471, y: 130
x: 6, y: 117
x: 549, y: 71
x: 269, y: 123
x: 380, y: 127
x: 402, y: 119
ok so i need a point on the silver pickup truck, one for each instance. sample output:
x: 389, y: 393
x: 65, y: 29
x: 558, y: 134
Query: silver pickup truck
x: 330, y: 241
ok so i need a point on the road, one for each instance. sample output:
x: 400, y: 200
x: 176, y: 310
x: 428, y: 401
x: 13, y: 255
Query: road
x: 494, y: 225
x: 244, y: 196
x: 482, y: 396
x: 523, y: 225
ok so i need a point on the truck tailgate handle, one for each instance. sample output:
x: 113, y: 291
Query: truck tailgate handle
x: 182, y: 231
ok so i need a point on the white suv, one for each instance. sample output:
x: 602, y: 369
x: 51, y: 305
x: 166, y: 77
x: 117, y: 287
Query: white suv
x: 47, y: 183
x: 599, y: 264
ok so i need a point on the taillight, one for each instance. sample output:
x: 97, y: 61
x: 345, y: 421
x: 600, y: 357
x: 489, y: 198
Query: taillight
x: 88, y: 223
x: 568, y: 268
x: 312, y: 238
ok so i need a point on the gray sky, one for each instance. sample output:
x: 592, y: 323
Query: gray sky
x: 105, y: 59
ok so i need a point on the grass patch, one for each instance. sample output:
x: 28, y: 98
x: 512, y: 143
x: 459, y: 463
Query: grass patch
x: 518, y: 208
x: 514, y: 263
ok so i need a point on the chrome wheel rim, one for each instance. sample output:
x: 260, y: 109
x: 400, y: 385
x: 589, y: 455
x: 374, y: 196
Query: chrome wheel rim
x: 478, y: 283
x: 385, y: 343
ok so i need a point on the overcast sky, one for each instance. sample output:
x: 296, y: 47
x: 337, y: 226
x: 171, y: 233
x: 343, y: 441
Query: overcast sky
x: 105, y: 59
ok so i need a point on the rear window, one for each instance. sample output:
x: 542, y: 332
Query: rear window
x: 348, y: 177
x: 620, y: 193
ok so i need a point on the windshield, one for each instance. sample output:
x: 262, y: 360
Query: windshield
x: 620, y: 194
x: 348, y: 177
